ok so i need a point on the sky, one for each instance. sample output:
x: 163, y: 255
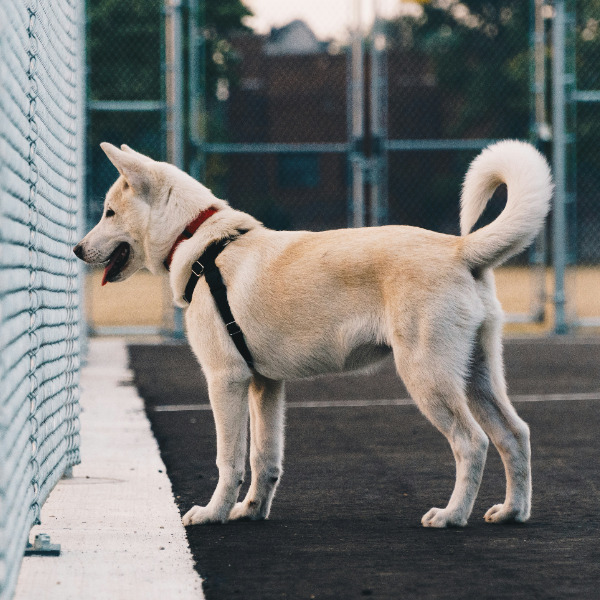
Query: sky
x: 327, y: 18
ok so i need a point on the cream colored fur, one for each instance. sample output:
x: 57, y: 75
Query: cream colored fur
x: 311, y: 303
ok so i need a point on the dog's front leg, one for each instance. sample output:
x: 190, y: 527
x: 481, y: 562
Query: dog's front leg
x: 229, y: 400
x: 266, y: 448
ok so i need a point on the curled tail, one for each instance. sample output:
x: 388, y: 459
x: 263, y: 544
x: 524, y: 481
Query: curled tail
x: 529, y: 189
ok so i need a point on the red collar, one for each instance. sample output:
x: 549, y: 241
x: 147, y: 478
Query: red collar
x: 188, y: 232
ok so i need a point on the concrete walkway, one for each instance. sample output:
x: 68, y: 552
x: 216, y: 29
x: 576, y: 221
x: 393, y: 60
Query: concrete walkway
x: 116, y: 520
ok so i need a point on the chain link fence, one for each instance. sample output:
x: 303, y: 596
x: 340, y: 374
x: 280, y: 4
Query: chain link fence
x: 125, y: 55
x: 373, y: 123
x: 277, y: 139
x: 458, y: 78
x: 40, y: 166
x: 588, y: 135
x: 585, y: 168
x: 126, y: 103
x: 377, y: 126
x: 290, y: 102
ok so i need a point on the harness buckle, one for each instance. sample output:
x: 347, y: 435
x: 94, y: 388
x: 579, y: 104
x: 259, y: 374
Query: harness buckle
x: 200, y: 267
x: 233, y: 328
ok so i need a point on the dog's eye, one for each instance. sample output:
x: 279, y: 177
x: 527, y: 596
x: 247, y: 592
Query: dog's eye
x: 110, y: 213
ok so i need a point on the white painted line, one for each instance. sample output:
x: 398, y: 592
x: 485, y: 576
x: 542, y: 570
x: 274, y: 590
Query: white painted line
x: 552, y: 340
x: 116, y: 520
x: 383, y: 402
x: 557, y: 397
x: 180, y: 407
x: 300, y: 404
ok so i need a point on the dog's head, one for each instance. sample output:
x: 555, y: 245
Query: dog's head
x: 143, y: 214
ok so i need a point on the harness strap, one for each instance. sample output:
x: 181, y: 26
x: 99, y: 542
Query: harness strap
x: 206, y: 266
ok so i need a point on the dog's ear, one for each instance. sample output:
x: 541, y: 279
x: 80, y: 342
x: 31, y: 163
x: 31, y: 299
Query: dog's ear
x: 141, y: 156
x: 133, y: 166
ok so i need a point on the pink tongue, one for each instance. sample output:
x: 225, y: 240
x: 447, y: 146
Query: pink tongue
x: 109, y: 266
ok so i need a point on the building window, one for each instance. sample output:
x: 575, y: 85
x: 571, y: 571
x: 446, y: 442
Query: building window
x: 298, y: 171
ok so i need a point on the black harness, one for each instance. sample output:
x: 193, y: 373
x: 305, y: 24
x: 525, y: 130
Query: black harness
x: 206, y: 267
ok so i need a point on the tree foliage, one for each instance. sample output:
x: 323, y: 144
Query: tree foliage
x: 124, y: 49
x: 125, y: 58
x: 124, y: 45
x: 220, y: 20
x: 479, y: 51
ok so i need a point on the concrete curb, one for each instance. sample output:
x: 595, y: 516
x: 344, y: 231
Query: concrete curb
x: 116, y: 520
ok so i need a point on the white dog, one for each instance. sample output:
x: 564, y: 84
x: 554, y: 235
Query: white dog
x: 309, y: 303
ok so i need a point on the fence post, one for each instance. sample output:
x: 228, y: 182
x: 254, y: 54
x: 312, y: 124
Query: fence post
x: 540, y: 134
x: 175, y: 105
x: 197, y: 88
x: 174, y: 83
x: 356, y: 93
x: 559, y: 238
x: 378, y: 122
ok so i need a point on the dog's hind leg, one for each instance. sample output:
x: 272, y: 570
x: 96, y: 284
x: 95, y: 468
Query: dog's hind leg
x: 437, y: 389
x: 229, y: 400
x: 266, y: 447
x: 489, y: 402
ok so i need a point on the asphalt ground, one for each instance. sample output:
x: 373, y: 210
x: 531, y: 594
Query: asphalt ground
x: 360, y: 473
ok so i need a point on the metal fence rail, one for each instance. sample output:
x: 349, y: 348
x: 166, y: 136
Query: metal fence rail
x: 40, y: 89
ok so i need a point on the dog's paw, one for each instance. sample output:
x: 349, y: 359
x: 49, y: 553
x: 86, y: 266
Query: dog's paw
x: 500, y: 513
x: 249, y: 509
x: 442, y: 517
x: 200, y: 515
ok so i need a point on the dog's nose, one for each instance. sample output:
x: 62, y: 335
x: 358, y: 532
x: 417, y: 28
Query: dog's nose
x: 78, y: 250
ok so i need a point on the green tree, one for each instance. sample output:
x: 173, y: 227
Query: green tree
x: 587, y: 53
x: 479, y: 50
x: 125, y: 62
x: 221, y: 19
x: 125, y: 50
